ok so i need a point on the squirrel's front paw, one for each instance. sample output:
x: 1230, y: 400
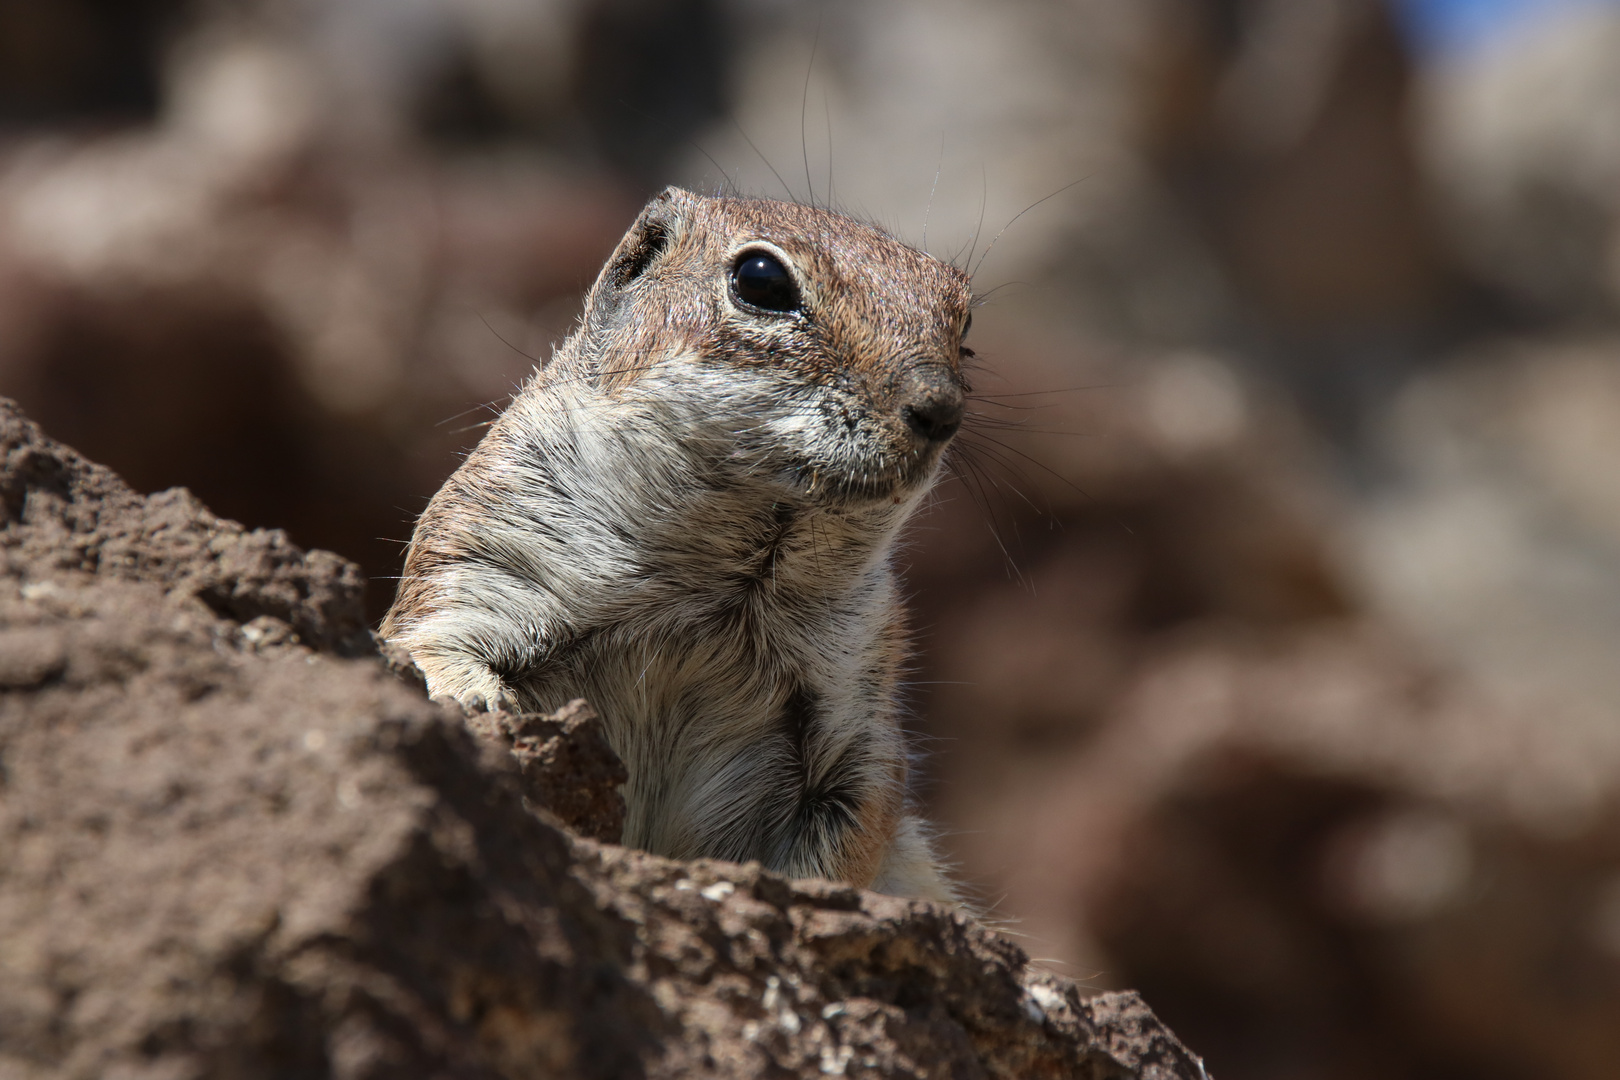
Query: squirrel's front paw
x: 470, y: 684
x: 489, y: 699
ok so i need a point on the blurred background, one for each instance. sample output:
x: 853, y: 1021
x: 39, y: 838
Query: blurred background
x: 1268, y: 628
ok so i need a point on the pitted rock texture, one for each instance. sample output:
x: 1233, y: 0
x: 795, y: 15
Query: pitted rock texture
x: 64, y: 513
x: 236, y: 846
x: 566, y: 765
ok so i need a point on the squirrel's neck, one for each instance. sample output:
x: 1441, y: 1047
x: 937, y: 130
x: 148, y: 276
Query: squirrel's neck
x: 659, y: 483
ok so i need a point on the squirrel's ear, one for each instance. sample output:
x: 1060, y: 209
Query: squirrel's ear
x: 647, y: 239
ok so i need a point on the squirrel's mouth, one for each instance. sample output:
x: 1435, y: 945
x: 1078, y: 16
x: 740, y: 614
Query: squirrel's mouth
x: 841, y: 453
x: 878, y: 478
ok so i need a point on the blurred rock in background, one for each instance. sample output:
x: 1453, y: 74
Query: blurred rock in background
x: 1266, y: 626
x: 1517, y: 129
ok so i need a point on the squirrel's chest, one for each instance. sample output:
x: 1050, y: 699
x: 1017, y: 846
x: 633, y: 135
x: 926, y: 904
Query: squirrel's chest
x: 728, y: 660
x: 742, y: 629
x: 712, y: 624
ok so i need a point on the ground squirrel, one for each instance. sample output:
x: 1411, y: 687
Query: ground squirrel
x: 688, y: 517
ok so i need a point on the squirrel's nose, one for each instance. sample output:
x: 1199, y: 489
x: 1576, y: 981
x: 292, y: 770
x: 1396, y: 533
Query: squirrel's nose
x: 933, y: 407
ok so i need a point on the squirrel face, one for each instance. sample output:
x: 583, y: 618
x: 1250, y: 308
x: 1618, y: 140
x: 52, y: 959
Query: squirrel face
x: 830, y: 353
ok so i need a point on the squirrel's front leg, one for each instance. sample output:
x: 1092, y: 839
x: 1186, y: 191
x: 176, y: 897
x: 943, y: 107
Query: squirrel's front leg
x: 838, y: 816
x: 467, y: 628
x: 855, y: 829
x: 462, y: 678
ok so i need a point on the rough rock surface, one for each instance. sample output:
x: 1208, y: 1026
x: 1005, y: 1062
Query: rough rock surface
x: 566, y: 765
x: 233, y: 847
x: 66, y: 514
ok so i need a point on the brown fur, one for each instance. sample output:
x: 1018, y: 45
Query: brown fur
x: 688, y: 516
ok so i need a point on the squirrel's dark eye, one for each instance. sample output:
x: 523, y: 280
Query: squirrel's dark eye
x: 761, y: 281
x: 967, y: 324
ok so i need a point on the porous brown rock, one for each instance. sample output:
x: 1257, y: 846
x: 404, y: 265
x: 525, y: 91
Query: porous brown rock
x: 236, y: 845
x: 566, y: 766
x: 66, y: 514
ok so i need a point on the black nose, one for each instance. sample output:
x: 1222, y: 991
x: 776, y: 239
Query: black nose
x: 934, y: 410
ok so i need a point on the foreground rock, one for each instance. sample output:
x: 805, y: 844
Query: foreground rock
x: 235, y: 846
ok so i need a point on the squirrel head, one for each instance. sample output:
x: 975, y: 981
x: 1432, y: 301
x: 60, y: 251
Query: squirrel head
x: 829, y: 351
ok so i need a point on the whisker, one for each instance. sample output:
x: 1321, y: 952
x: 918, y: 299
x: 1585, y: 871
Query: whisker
x: 1037, y: 463
x: 827, y: 113
x: 532, y: 359
x: 482, y: 405
x: 928, y: 209
x: 731, y: 184
x: 980, y: 299
x: 984, y: 199
x: 973, y: 480
x: 738, y: 125
x: 1059, y: 390
x: 1016, y: 490
x: 974, y: 272
x: 804, y: 100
